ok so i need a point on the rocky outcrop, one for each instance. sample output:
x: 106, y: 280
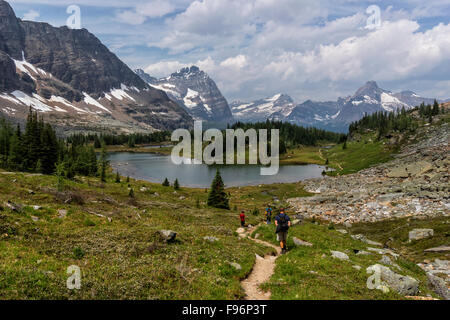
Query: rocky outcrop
x: 375, y: 194
x: 404, y: 285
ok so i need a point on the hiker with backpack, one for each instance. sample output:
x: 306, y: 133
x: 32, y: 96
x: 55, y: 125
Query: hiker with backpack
x: 242, y: 217
x: 268, y: 214
x: 283, y: 223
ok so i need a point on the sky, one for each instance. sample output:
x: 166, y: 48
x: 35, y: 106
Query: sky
x: 316, y: 49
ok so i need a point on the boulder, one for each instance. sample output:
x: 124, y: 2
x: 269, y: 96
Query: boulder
x: 439, y: 286
x: 167, y: 235
x: 419, y: 234
x: 340, y: 255
x: 404, y: 285
x: 343, y: 231
x: 301, y: 243
x: 296, y: 222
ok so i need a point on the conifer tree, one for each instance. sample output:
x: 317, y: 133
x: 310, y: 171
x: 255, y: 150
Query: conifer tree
x: 218, y: 198
x: 103, y: 163
x: 176, y: 185
x: 166, y: 183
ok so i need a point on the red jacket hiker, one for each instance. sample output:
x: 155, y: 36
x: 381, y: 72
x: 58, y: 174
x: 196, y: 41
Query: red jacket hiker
x: 242, y: 216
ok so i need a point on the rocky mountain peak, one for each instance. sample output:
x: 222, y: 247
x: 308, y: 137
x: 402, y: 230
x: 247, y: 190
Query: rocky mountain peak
x: 194, y: 90
x: 370, y: 89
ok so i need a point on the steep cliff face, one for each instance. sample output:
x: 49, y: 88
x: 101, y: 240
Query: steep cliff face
x: 70, y: 73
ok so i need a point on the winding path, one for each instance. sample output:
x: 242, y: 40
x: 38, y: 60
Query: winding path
x: 261, y: 272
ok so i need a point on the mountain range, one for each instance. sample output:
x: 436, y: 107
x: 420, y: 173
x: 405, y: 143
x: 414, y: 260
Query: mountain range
x: 330, y: 115
x: 75, y: 81
x: 196, y: 92
x: 79, y: 85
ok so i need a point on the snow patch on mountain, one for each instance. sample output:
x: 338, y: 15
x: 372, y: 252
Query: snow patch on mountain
x: 9, y: 98
x: 277, y: 107
x: 120, y: 94
x: 190, y: 96
x: 391, y: 103
x: 63, y: 101
x: 89, y: 100
x: 36, y: 102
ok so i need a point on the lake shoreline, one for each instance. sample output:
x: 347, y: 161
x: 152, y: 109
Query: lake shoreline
x: 157, y: 167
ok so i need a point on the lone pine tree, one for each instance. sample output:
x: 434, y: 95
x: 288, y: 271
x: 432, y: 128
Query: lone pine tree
x: 218, y: 198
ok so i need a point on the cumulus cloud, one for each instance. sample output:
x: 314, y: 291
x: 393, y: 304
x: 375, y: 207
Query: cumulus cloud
x: 307, y: 49
x: 31, y: 15
x: 148, y: 9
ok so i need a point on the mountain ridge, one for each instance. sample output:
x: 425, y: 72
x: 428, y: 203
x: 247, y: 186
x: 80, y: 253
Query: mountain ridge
x: 331, y: 115
x: 75, y: 81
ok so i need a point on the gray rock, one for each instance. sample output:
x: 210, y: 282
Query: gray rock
x: 343, y: 231
x: 347, y: 224
x: 37, y: 208
x: 384, y: 251
x: 404, y: 285
x: 363, y: 253
x: 62, y: 213
x: 363, y: 238
x: 439, y: 286
x: 301, y: 243
x: 211, y: 239
x: 240, y: 230
x: 167, y: 235
x: 356, y: 267
x: 340, y: 255
x: 439, y: 249
x: 385, y: 198
x: 35, y: 219
x: 295, y: 222
x: 13, y: 207
x: 419, y: 234
x: 235, y: 265
x: 386, y: 260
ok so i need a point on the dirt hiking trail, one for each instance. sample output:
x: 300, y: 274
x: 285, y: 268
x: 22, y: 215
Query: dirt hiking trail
x: 262, y: 270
